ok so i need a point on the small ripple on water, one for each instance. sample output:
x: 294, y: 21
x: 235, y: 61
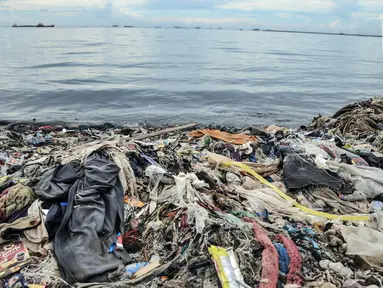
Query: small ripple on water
x: 79, y: 53
x: 79, y: 81
x: 53, y: 65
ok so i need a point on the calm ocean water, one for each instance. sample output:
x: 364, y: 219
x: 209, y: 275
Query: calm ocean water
x: 180, y: 75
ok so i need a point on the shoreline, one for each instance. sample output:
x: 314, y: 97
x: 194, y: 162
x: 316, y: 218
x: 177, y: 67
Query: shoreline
x: 101, y: 125
x: 34, y: 124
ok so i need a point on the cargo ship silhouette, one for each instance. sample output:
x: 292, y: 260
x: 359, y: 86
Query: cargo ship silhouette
x: 40, y: 25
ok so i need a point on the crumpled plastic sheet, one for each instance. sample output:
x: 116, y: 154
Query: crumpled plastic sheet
x: 155, y: 173
x: 366, y: 243
x: 368, y: 181
x: 198, y: 215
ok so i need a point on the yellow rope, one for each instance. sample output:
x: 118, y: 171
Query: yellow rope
x: 296, y: 204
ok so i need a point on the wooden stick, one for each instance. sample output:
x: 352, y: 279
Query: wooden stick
x: 157, y: 133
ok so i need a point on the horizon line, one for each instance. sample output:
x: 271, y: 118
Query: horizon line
x: 215, y: 28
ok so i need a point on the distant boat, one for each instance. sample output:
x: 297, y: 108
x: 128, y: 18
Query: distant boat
x: 197, y: 28
x: 40, y: 25
x: 114, y: 26
x: 256, y: 29
x: 219, y: 28
x: 128, y: 26
x: 158, y: 27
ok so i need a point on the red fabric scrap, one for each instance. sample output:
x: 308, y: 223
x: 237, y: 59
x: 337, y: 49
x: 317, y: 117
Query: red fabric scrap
x: 270, y: 264
x: 171, y: 215
x: 48, y: 128
x: 131, y: 238
x: 184, y: 221
x: 295, y: 266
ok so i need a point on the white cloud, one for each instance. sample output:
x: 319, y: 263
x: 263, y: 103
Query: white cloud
x: 304, y: 18
x: 371, y: 5
x: 132, y: 14
x: 196, y: 21
x: 74, y: 12
x: 315, y: 6
x: 335, y: 24
x: 284, y: 15
x: 366, y: 16
x: 61, y: 4
x: 52, y: 4
x: 201, y: 20
x: 293, y: 16
x: 129, y: 12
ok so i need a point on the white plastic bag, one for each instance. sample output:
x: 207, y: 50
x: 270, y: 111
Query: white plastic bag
x: 365, y: 242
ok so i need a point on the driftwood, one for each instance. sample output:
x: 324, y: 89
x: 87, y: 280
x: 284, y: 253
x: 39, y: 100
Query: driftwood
x: 157, y: 133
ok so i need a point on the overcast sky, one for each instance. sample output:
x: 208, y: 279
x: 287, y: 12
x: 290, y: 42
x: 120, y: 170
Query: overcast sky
x: 319, y: 15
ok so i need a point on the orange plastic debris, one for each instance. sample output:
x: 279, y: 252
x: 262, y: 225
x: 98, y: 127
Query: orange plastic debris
x: 227, y: 137
x: 133, y: 202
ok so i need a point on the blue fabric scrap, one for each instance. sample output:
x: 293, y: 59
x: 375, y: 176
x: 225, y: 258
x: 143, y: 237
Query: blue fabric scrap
x: 284, y: 259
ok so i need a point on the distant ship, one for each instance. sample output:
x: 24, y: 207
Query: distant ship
x: 114, y: 26
x: 40, y: 25
x: 128, y: 26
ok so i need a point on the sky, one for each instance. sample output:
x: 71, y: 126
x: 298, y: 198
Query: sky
x: 362, y: 16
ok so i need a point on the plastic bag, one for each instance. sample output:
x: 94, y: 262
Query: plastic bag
x: 365, y: 242
x: 199, y: 214
x: 155, y: 173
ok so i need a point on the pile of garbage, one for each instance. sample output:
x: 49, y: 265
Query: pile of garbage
x: 359, y: 119
x: 188, y: 206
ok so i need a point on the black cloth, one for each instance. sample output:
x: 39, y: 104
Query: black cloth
x: 90, y: 221
x: 371, y: 159
x: 299, y: 173
x: 137, y: 163
x: 54, y: 217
